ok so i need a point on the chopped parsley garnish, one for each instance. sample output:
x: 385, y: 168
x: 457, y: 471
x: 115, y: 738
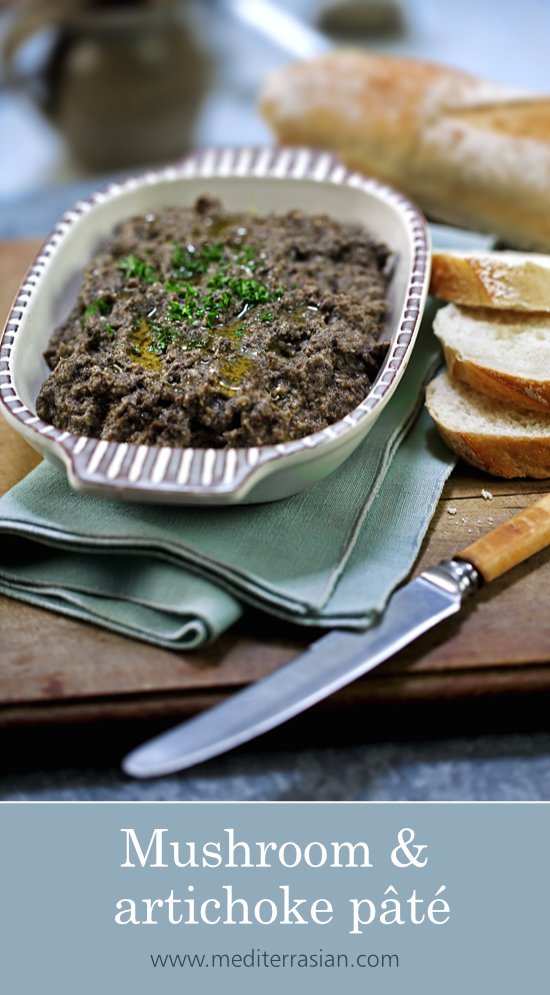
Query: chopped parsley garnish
x: 246, y: 257
x: 183, y: 310
x: 162, y: 335
x: 212, y: 253
x: 187, y: 263
x: 219, y: 280
x: 209, y: 304
x: 99, y: 306
x: 223, y: 291
x: 109, y: 329
x: 131, y: 266
x: 250, y: 291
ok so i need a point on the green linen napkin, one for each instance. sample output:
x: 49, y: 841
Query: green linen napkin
x: 177, y: 577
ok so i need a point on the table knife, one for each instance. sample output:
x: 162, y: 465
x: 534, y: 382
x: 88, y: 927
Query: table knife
x: 341, y: 656
x: 279, y: 25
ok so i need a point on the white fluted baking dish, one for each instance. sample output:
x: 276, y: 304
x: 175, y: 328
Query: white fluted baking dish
x: 267, y: 179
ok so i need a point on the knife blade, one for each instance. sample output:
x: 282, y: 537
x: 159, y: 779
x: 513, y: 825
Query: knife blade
x: 280, y: 26
x: 341, y: 657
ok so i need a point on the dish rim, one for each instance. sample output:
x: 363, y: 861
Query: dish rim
x: 93, y: 463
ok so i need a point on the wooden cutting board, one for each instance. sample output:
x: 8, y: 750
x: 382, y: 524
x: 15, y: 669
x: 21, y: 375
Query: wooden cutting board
x: 491, y: 665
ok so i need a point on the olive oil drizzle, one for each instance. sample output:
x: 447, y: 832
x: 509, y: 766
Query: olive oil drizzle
x: 233, y: 371
x: 204, y: 288
x: 139, y: 347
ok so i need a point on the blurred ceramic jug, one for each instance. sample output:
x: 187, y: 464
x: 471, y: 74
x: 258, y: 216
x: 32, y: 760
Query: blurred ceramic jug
x: 124, y: 82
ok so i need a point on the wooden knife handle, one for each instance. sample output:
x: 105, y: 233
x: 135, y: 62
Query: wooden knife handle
x: 511, y: 543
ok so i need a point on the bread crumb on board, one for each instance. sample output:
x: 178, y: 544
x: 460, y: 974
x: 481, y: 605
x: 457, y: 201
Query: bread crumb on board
x: 486, y: 495
x: 451, y: 511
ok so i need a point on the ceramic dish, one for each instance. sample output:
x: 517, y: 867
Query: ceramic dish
x: 266, y: 180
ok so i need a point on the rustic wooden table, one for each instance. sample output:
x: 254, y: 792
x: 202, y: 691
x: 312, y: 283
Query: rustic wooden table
x: 58, y: 672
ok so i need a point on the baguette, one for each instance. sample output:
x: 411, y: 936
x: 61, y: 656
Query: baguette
x: 496, y: 437
x: 517, y: 281
x: 502, y: 354
x: 470, y: 152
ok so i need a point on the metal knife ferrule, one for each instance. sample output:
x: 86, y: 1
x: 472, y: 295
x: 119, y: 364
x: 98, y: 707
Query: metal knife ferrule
x: 455, y: 577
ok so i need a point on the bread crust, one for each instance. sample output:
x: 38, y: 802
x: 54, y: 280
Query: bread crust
x: 470, y: 152
x: 456, y: 279
x: 501, y: 456
x: 525, y: 393
x: 368, y: 107
x: 492, y: 280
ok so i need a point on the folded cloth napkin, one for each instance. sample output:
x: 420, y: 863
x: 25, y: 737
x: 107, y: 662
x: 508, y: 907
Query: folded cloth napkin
x: 178, y: 576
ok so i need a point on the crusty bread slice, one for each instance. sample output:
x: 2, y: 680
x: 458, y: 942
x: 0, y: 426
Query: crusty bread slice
x: 503, y: 354
x: 502, y: 439
x: 518, y: 281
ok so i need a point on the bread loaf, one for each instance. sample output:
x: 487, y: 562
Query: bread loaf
x: 469, y: 152
x: 496, y: 437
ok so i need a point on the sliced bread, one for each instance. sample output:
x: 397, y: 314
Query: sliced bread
x: 503, y: 354
x: 500, y: 438
x: 518, y: 281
